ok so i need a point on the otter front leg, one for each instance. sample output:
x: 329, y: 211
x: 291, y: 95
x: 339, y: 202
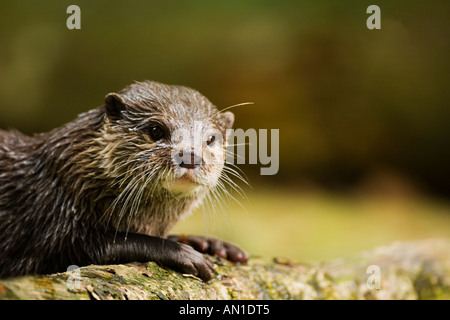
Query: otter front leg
x: 212, y: 246
x: 133, y: 247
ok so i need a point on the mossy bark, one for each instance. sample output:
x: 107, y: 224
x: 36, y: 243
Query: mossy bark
x: 409, y: 270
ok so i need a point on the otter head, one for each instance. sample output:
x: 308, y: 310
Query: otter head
x: 163, y: 139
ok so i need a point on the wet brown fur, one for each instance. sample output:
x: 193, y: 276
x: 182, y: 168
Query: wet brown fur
x: 60, y: 200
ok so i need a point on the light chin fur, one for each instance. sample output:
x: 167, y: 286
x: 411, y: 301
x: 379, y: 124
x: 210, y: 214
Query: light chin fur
x: 183, y: 187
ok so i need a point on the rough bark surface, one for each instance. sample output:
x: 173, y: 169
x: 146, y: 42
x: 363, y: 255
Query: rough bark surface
x: 407, y: 270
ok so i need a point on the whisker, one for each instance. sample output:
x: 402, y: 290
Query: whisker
x: 230, y: 107
x: 233, y: 185
x: 131, y: 189
x: 237, y: 175
x: 231, y: 167
x: 239, y: 203
x: 239, y: 144
x: 234, y: 155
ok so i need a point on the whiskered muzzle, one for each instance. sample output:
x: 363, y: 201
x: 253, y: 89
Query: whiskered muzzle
x: 188, y: 159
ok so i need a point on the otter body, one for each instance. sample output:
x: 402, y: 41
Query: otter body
x: 108, y: 186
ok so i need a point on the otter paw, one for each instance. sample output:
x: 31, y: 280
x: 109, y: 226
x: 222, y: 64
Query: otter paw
x: 213, y: 246
x: 188, y: 260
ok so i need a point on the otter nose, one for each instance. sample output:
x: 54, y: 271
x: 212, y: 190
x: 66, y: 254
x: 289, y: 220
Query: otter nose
x: 188, y: 159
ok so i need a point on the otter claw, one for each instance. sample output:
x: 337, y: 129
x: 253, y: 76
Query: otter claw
x: 213, y: 246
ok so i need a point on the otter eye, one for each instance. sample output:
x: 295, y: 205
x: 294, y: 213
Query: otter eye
x: 211, y: 139
x: 156, y: 132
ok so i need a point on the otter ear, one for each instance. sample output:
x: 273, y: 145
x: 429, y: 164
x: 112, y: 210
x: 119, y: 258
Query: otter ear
x: 227, y: 118
x: 114, y: 105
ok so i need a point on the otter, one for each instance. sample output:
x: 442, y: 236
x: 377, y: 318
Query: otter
x: 108, y: 187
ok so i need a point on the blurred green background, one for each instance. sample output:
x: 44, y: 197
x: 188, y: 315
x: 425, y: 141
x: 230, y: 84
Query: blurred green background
x: 363, y: 114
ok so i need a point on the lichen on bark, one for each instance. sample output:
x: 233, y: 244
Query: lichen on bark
x: 407, y: 270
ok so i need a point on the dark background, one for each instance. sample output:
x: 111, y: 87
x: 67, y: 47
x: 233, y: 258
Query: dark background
x: 348, y: 101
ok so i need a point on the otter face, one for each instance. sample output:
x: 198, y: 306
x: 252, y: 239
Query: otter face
x: 162, y: 139
x: 198, y: 156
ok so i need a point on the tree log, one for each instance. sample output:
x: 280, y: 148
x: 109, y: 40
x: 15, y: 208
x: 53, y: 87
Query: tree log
x: 402, y: 270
